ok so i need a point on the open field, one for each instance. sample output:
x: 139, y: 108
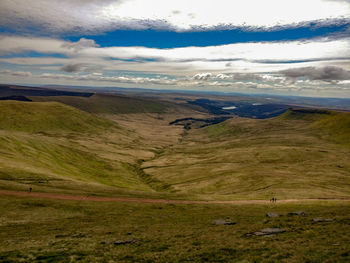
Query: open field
x: 118, y: 184
x: 67, y: 231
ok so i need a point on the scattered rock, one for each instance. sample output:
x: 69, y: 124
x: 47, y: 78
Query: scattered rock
x: 222, y: 222
x: 123, y: 242
x: 270, y: 214
x: 267, y: 232
x: 321, y: 220
x: 298, y: 213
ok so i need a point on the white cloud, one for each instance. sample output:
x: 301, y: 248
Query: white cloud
x: 16, y: 73
x: 93, y: 15
x: 111, y: 79
x: 317, y: 65
x: 317, y: 88
x: 243, y: 57
x: 207, y: 14
x: 202, y: 76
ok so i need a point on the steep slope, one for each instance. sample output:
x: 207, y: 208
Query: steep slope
x: 52, y: 146
x: 48, y: 117
x: 331, y: 125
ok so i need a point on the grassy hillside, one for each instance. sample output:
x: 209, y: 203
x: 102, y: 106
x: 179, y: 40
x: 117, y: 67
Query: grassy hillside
x: 67, y: 146
x: 292, y: 156
x: 48, y: 117
x: 108, y: 104
x: 300, y: 154
x: 51, y: 146
x: 331, y: 125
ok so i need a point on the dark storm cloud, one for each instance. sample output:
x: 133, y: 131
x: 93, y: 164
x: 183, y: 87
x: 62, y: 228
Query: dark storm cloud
x: 328, y: 73
x: 81, y: 67
x: 72, y: 68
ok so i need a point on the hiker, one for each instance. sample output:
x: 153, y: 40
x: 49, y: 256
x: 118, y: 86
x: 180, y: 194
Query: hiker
x: 30, y: 189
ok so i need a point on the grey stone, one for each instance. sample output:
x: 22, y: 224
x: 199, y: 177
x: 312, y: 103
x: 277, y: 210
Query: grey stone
x: 261, y: 234
x: 321, y: 220
x: 272, y: 230
x: 270, y: 214
x: 298, y: 213
x: 267, y: 232
x: 222, y: 222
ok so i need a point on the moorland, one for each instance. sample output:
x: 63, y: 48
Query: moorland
x: 224, y: 157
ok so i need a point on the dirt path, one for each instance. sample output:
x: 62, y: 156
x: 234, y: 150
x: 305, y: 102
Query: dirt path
x: 145, y: 200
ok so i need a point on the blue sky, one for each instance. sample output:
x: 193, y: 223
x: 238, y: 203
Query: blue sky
x: 171, y: 39
x: 284, y: 47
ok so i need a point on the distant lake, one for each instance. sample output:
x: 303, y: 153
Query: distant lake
x: 229, y: 108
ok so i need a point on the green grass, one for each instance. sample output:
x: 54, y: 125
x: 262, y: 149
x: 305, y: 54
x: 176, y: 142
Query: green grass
x: 51, y: 146
x: 296, y: 155
x: 57, y: 148
x: 48, y: 117
x: 332, y: 125
x: 52, y: 159
x: 39, y: 230
x: 109, y: 104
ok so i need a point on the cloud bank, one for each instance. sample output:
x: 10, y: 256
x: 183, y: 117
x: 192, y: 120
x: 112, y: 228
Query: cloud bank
x: 34, y: 45
x: 328, y: 73
x: 91, y: 16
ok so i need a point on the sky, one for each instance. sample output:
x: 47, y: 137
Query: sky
x: 281, y: 47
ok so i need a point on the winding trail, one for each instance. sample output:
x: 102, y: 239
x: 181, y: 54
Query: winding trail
x: 146, y: 200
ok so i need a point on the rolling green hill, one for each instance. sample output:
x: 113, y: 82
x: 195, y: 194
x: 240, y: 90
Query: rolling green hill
x: 46, y: 117
x: 51, y: 146
x: 332, y: 125
x: 301, y: 154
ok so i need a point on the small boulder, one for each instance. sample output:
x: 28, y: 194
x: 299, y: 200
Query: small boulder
x: 321, y: 220
x: 272, y: 230
x: 270, y: 214
x: 222, y: 222
x: 267, y: 232
x: 298, y: 213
